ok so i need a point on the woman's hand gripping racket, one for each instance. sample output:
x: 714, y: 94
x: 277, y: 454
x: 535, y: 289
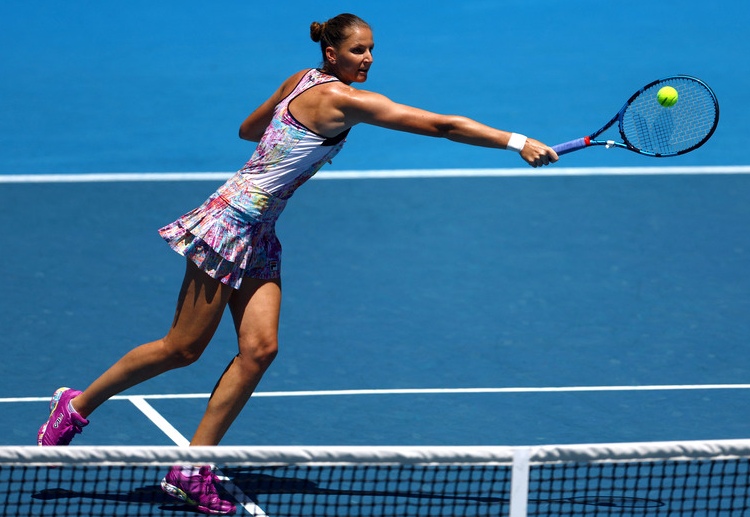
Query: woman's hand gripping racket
x: 656, y: 122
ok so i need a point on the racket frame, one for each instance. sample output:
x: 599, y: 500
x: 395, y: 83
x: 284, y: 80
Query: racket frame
x: 590, y: 140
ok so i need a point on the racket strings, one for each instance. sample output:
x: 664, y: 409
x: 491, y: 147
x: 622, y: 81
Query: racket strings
x: 653, y: 128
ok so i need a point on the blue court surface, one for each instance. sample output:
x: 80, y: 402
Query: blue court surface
x: 434, y: 294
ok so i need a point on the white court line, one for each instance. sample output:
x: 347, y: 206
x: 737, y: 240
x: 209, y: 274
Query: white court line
x: 381, y: 174
x: 167, y: 428
x: 425, y: 391
x: 159, y: 421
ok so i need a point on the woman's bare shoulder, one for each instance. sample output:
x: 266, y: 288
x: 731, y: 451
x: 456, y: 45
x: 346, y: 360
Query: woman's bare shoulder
x: 290, y: 84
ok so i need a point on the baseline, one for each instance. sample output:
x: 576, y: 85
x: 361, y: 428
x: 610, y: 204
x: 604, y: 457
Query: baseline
x: 381, y: 174
x: 419, y: 391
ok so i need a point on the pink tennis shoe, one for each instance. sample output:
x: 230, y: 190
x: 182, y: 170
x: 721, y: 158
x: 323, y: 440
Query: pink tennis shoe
x: 197, y: 489
x: 63, y: 423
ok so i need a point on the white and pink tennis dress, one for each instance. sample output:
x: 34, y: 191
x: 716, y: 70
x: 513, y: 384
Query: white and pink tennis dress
x: 232, y: 235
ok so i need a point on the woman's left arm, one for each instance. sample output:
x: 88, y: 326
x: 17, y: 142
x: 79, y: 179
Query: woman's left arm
x: 253, y: 127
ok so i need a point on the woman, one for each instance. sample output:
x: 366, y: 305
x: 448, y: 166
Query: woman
x: 234, y: 257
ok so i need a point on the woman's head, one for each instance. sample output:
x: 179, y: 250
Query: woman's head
x: 346, y: 43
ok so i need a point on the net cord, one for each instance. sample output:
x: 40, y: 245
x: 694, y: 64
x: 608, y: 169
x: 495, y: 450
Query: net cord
x: 342, y: 455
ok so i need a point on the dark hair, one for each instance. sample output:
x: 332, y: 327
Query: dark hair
x: 334, y: 31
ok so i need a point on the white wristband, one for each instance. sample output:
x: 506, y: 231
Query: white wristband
x: 516, y: 142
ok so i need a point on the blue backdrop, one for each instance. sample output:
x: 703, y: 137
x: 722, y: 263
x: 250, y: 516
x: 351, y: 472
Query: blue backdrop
x: 163, y: 86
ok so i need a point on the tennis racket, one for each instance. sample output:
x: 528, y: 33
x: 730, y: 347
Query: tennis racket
x: 646, y: 127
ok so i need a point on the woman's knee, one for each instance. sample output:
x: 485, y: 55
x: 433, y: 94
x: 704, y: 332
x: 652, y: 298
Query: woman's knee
x: 260, y: 353
x: 181, y: 354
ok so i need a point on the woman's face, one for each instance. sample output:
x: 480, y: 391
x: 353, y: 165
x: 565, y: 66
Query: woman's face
x: 352, y: 60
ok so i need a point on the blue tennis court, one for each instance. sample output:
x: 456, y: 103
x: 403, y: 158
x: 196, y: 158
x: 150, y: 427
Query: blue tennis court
x: 434, y: 294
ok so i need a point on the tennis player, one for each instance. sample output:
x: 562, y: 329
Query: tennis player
x: 233, y: 254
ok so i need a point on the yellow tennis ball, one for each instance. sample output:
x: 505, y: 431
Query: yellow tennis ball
x: 667, y: 96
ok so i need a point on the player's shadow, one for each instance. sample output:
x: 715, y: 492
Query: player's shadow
x: 249, y: 483
x: 147, y: 495
x: 253, y: 483
x: 298, y: 493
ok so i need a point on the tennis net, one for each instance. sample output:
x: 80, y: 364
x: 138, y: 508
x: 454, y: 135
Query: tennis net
x: 708, y: 478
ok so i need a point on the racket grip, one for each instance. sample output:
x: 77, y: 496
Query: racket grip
x: 573, y: 145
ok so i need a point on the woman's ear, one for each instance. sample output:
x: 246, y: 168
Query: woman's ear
x: 331, y: 55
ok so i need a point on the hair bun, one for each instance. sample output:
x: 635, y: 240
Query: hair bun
x: 316, y: 31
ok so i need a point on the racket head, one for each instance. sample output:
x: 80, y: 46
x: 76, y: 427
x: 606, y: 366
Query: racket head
x: 649, y: 128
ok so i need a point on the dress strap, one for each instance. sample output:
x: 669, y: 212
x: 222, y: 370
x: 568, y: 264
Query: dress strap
x: 313, y: 77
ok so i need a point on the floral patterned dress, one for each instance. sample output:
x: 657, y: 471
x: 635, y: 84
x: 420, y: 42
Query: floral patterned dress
x: 232, y: 234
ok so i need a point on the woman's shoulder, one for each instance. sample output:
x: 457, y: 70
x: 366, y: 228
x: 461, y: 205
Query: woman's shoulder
x: 293, y: 80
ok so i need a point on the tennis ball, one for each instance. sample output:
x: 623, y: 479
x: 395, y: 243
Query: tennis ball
x: 667, y: 96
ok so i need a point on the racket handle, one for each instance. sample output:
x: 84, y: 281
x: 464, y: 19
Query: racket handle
x: 573, y: 145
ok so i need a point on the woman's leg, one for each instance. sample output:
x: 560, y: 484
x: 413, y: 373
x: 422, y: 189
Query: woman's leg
x: 200, y: 305
x: 255, y: 309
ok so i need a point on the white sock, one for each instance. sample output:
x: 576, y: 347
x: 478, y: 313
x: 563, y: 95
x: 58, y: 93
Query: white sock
x: 190, y: 470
